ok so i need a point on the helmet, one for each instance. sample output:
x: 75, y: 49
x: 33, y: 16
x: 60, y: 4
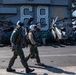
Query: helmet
x: 33, y: 27
x: 20, y: 23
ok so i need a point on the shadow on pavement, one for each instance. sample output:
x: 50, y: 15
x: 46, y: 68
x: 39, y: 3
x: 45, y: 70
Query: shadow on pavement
x: 57, y: 70
x: 53, y: 69
x: 25, y: 73
x: 57, y: 46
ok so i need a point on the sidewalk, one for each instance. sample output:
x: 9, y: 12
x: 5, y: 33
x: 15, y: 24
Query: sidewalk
x: 71, y: 70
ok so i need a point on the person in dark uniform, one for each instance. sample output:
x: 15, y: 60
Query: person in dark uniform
x: 33, y: 44
x: 16, y: 42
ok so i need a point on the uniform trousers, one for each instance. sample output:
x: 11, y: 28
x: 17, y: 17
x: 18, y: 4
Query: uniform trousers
x: 34, y: 52
x: 18, y: 52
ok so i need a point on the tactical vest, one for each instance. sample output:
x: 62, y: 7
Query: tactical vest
x: 34, y: 37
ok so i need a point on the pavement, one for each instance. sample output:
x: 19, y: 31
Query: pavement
x: 47, y: 70
x: 39, y: 70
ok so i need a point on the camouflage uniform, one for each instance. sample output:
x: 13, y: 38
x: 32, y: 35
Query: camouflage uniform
x: 17, y: 51
x: 33, y: 46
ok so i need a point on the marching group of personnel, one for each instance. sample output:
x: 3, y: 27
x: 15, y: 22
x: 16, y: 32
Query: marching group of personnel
x: 17, y: 39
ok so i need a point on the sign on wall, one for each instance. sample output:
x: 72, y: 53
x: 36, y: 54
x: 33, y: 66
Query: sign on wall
x: 59, y: 11
x: 42, y: 15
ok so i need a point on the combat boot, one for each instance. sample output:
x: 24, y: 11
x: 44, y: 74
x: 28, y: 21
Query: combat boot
x: 10, y: 70
x: 28, y: 70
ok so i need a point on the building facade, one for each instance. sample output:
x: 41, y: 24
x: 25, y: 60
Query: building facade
x: 41, y: 10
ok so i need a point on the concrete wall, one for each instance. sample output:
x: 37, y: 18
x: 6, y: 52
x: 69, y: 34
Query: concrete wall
x: 8, y: 11
x: 59, y: 2
x: 42, y: 10
x: 26, y: 2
